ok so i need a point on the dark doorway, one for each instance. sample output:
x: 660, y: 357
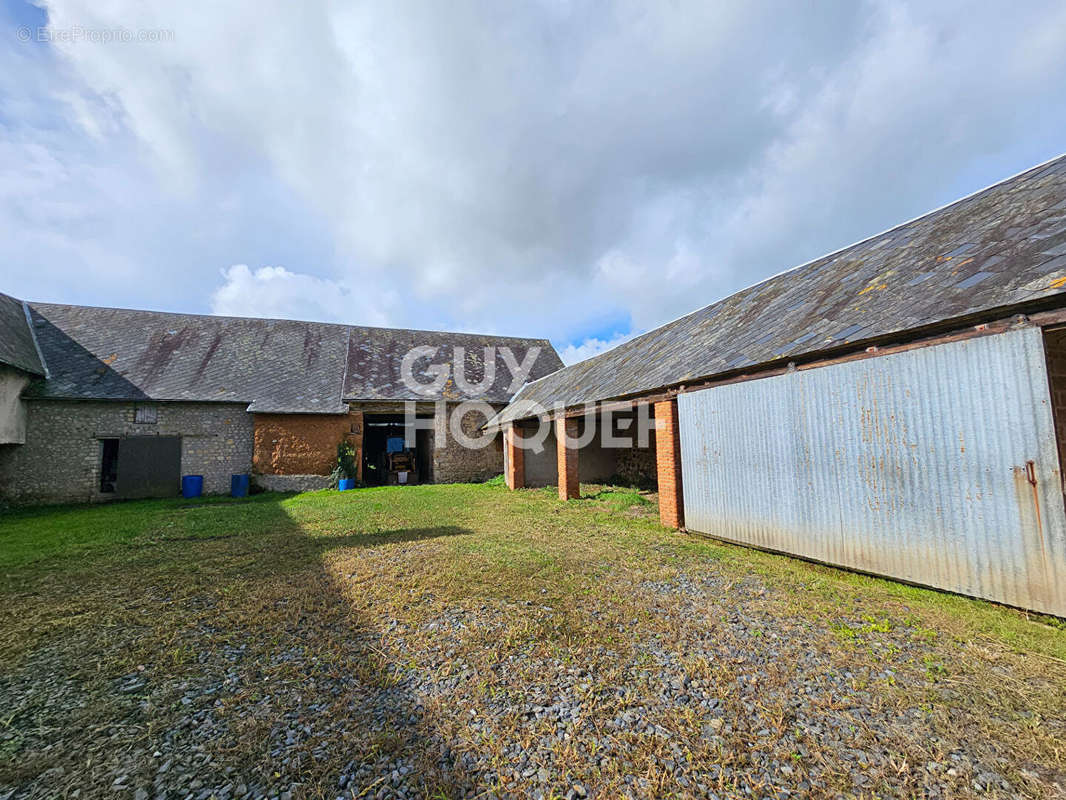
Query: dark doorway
x: 148, y: 466
x: 387, y: 458
x: 108, y: 465
x: 424, y: 455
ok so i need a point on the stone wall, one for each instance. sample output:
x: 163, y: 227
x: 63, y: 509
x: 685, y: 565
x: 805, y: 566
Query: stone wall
x: 454, y: 463
x: 291, y: 483
x: 636, y: 466
x: 60, y: 461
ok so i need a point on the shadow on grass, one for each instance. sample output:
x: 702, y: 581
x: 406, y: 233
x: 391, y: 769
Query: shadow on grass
x: 227, y: 635
x: 325, y: 543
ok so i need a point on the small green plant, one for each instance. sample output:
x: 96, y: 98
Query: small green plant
x: 346, y: 466
x: 874, y: 625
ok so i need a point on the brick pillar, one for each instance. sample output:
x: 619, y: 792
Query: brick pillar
x: 514, y: 458
x: 668, y: 465
x: 569, y: 486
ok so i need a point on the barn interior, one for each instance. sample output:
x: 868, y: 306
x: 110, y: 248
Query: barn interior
x: 387, y: 459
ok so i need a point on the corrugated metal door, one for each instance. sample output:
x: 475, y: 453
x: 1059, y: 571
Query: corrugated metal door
x: 936, y: 465
x: 148, y: 466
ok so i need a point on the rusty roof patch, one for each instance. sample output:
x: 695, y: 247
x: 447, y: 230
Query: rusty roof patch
x: 376, y: 356
x: 279, y: 366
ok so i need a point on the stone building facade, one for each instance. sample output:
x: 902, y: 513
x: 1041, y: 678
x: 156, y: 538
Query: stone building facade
x: 62, y: 456
x: 107, y: 403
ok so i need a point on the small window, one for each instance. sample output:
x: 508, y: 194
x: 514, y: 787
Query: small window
x: 108, y: 465
x: 145, y: 415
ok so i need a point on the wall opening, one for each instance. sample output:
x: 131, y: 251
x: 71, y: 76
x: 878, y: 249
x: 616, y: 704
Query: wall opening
x: 387, y: 460
x: 1055, y: 354
x: 619, y: 453
x: 424, y: 455
x: 635, y: 465
x: 108, y: 465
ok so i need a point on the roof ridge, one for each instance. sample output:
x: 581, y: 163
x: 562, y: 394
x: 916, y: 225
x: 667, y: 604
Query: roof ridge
x: 348, y: 325
x: 33, y: 338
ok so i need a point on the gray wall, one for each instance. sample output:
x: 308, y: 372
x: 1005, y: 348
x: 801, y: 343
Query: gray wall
x: 541, y: 468
x: 594, y: 463
x: 454, y: 463
x: 60, y: 461
x: 12, y: 410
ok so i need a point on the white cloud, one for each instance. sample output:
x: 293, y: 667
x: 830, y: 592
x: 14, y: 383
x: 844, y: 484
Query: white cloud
x: 573, y: 353
x: 523, y: 169
x: 278, y: 293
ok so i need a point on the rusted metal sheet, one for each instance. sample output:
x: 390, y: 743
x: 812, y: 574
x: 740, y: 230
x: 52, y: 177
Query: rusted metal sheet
x: 936, y: 466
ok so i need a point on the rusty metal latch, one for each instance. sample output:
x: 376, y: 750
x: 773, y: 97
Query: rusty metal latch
x: 1030, y: 472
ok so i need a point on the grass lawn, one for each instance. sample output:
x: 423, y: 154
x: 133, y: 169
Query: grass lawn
x: 452, y: 641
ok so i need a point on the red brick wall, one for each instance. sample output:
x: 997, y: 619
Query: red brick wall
x: 514, y: 458
x: 569, y: 485
x: 668, y: 465
x: 303, y: 444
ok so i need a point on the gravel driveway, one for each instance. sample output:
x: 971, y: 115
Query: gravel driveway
x: 596, y: 657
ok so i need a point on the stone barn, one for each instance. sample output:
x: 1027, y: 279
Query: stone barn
x: 103, y: 403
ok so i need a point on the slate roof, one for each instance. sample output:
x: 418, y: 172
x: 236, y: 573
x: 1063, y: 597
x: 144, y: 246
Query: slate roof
x: 999, y: 248
x: 375, y: 359
x: 16, y: 342
x: 278, y: 366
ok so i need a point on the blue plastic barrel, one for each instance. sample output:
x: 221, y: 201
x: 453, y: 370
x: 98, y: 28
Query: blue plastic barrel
x: 344, y: 484
x: 192, y: 486
x: 238, y: 485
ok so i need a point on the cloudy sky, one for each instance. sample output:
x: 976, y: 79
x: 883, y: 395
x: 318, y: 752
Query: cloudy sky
x: 582, y: 171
